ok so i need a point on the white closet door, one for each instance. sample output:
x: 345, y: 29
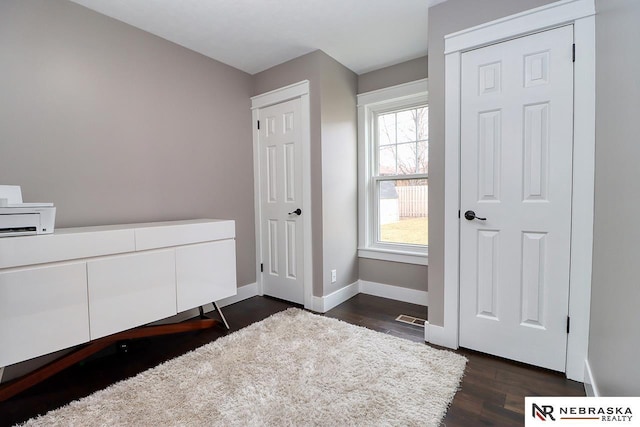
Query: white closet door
x: 516, y: 171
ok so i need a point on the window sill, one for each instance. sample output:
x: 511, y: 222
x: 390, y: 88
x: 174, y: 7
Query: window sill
x: 406, y: 257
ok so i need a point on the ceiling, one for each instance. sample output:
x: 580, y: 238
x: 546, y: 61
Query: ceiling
x: 254, y: 35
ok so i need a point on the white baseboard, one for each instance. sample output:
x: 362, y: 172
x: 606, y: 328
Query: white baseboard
x: 244, y: 292
x: 590, y: 387
x: 327, y: 302
x: 438, y: 335
x: 394, y: 292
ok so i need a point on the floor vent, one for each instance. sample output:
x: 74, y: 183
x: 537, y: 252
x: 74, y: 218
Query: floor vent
x: 411, y: 320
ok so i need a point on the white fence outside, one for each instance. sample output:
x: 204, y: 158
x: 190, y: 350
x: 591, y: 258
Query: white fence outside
x: 413, y: 200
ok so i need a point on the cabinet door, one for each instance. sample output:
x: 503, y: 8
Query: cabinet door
x: 205, y: 273
x: 42, y: 310
x: 130, y: 290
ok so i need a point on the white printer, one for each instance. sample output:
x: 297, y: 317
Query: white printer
x: 23, y: 219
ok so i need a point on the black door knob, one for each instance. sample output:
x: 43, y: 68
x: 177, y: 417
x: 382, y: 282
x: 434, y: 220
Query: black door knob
x: 471, y: 215
x: 297, y: 212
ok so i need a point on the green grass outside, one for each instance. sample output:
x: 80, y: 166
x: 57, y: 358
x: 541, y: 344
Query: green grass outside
x: 407, y: 230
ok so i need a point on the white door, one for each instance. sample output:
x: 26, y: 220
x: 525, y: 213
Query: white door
x: 516, y: 160
x: 281, y: 200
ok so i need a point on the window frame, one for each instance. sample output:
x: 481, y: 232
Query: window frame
x: 370, y: 105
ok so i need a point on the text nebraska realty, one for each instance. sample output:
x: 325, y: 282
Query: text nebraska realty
x: 609, y: 413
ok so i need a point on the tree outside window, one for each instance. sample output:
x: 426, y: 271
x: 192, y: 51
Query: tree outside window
x: 401, y: 176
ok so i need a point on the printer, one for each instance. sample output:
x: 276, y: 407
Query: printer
x: 23, y: 219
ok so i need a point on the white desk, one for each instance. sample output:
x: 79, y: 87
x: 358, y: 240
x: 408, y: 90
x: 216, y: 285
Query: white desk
x: 81, y: 284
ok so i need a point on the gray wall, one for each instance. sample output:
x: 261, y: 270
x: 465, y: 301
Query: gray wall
x: 393, y: 273
x: 339, y: 173
x: 116, y: 125
x: 404, y: 72
x: 410, y: 276
x: 333, y: 137
x: 445, y: 18
x: 614, y: 341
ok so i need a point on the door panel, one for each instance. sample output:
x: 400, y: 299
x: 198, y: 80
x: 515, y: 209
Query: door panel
x: 291, y: 248
x: 281, y: 195
x: 488, y: 251
x: 273, y: 248
x: 533, y: 284
x: 536, y: 149
x: 516, y: 161
x: 489, y: 156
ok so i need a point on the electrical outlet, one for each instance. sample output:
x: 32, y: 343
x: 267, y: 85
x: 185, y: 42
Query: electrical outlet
x: 333, y: 276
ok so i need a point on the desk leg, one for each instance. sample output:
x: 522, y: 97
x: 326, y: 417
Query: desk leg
x: 215, y: 304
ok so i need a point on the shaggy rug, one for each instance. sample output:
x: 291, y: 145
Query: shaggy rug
x: 291, y: 369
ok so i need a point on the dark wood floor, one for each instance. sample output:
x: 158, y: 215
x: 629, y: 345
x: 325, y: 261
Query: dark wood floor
x: 492, y: 392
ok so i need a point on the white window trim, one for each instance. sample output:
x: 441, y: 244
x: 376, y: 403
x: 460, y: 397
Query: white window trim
x: 369, y: 104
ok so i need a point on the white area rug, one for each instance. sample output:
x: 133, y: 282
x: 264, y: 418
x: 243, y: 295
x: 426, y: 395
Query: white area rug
x: 291, y: 369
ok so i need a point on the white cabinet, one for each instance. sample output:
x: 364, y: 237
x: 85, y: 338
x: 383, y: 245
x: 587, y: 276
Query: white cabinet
x: 179, y: 233
x: 65, y: 244
x: 205, y: 272
x: 81, y: 284
x: 42, y: 310
x: 130, y: 290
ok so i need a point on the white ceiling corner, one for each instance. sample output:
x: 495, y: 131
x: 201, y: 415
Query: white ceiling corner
x: 435, y: 2
x: 254, y: 35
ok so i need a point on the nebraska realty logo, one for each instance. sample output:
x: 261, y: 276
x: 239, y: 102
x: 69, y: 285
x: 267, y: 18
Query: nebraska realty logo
x: 582, y: 411
x: 542, y: 412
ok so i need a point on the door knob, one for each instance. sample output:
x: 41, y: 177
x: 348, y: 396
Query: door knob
x: 297, y: 212
x: 471, y: 215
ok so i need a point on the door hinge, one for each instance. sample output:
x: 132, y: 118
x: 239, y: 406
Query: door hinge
x: 258, y: 124
x: 261, y: 268
x: 568, y: 323
x: 573, y: 52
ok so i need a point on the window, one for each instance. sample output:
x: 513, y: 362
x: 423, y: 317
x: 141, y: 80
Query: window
x: 393, y: 182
